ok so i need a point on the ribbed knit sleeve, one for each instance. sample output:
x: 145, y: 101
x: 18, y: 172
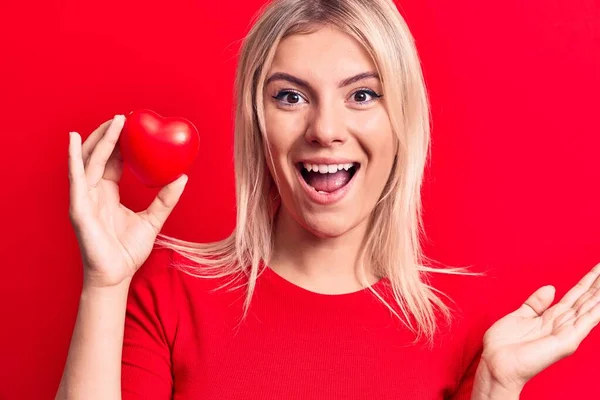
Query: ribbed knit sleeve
x: 150, y: 326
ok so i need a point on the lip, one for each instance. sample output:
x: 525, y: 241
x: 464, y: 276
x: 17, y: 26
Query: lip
x: 326, y: 198
x: 326, y: 160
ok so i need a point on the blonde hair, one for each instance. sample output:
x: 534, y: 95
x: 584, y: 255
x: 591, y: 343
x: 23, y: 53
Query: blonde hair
x: 391, y: 246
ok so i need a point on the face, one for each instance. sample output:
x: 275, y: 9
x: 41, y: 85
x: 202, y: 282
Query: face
x: 328, y: 131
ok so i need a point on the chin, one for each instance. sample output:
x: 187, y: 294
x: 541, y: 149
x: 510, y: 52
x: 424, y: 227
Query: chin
x: 328, y: 227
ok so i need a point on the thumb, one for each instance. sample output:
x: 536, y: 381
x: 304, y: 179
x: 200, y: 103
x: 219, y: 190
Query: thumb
x: 538, y: 302
x: 165, y: 201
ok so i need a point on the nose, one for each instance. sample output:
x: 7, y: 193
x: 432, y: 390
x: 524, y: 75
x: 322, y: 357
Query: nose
x: 325, y: 126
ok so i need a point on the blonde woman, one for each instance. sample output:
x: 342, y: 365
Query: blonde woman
x: 322, y: 290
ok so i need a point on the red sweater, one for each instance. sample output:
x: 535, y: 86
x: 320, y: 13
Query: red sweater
x: 182, y: 341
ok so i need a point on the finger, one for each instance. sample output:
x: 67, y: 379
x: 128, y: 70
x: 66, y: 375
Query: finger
x: 103, y: 150
x: 77, y: 179
x: 590, y: 279
x: 586, y: 322
x: 93, y: 139
x: 566, y: 317
x: 592, y: 299
x: 584, y: 297
x: 114, y: 166
x: 161, y: 207
x: 596, y: 283
x: 537, y: 303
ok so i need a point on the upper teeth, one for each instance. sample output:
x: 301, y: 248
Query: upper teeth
x: 327, y: 168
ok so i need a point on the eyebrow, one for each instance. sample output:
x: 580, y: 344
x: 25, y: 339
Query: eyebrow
x: 282, y: 76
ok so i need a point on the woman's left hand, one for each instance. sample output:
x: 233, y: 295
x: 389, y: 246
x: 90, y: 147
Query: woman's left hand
x: 530, y: 339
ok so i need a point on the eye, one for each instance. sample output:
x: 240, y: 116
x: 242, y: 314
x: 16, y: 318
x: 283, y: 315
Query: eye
x: 363, y: 94
x: 293, y: 98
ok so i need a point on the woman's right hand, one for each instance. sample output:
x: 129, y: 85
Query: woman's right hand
x: 114, y: 241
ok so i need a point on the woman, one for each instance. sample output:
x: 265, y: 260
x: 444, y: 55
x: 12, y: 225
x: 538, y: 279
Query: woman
x: 321, y: 292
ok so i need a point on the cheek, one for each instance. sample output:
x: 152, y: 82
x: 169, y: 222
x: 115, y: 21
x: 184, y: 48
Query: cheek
x: 376, y: 136
x: 283, y: 128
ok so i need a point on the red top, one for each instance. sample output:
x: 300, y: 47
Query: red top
x: 182, y: 341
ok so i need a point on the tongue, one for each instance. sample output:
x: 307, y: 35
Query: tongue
x: 328, y: 182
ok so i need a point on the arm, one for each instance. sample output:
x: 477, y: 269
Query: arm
x: 93, y: 367
x: 114, y: 242
x: 122, y: 338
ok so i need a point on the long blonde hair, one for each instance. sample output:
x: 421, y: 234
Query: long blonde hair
x: 391, y: 245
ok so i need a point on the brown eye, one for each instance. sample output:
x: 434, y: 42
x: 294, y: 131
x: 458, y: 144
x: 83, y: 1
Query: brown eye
x: 361, y: 96
x: 288, y: 98
x: 293, y: 98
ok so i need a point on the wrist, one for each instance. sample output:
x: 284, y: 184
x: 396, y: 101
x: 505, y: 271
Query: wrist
x: 92, y: 284
x: 487, y: 387
x: 90, y: 290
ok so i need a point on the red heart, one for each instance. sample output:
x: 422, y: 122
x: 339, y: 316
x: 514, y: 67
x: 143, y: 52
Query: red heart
x: 158, y: 149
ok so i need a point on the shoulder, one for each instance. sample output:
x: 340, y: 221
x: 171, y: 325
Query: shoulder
x: 157, y: 272
x: 157, y: 263
x: 171, y: 275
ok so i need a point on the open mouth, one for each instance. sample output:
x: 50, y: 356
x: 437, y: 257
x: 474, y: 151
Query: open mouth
x: 327, y: 178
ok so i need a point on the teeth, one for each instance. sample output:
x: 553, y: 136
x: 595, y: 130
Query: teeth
x: 327, y: 168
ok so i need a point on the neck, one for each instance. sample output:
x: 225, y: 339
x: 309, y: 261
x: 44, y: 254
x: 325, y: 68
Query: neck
x: 323, y: 265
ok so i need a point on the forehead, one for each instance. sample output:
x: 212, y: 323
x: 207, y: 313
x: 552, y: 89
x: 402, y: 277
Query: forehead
x: 326, y: 53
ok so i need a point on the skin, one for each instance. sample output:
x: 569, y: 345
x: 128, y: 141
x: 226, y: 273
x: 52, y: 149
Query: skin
x: 316, y: 245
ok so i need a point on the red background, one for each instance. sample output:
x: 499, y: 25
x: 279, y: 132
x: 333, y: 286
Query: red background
x: 512, y: 186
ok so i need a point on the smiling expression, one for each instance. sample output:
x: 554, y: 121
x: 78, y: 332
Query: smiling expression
x: 324, y: 113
